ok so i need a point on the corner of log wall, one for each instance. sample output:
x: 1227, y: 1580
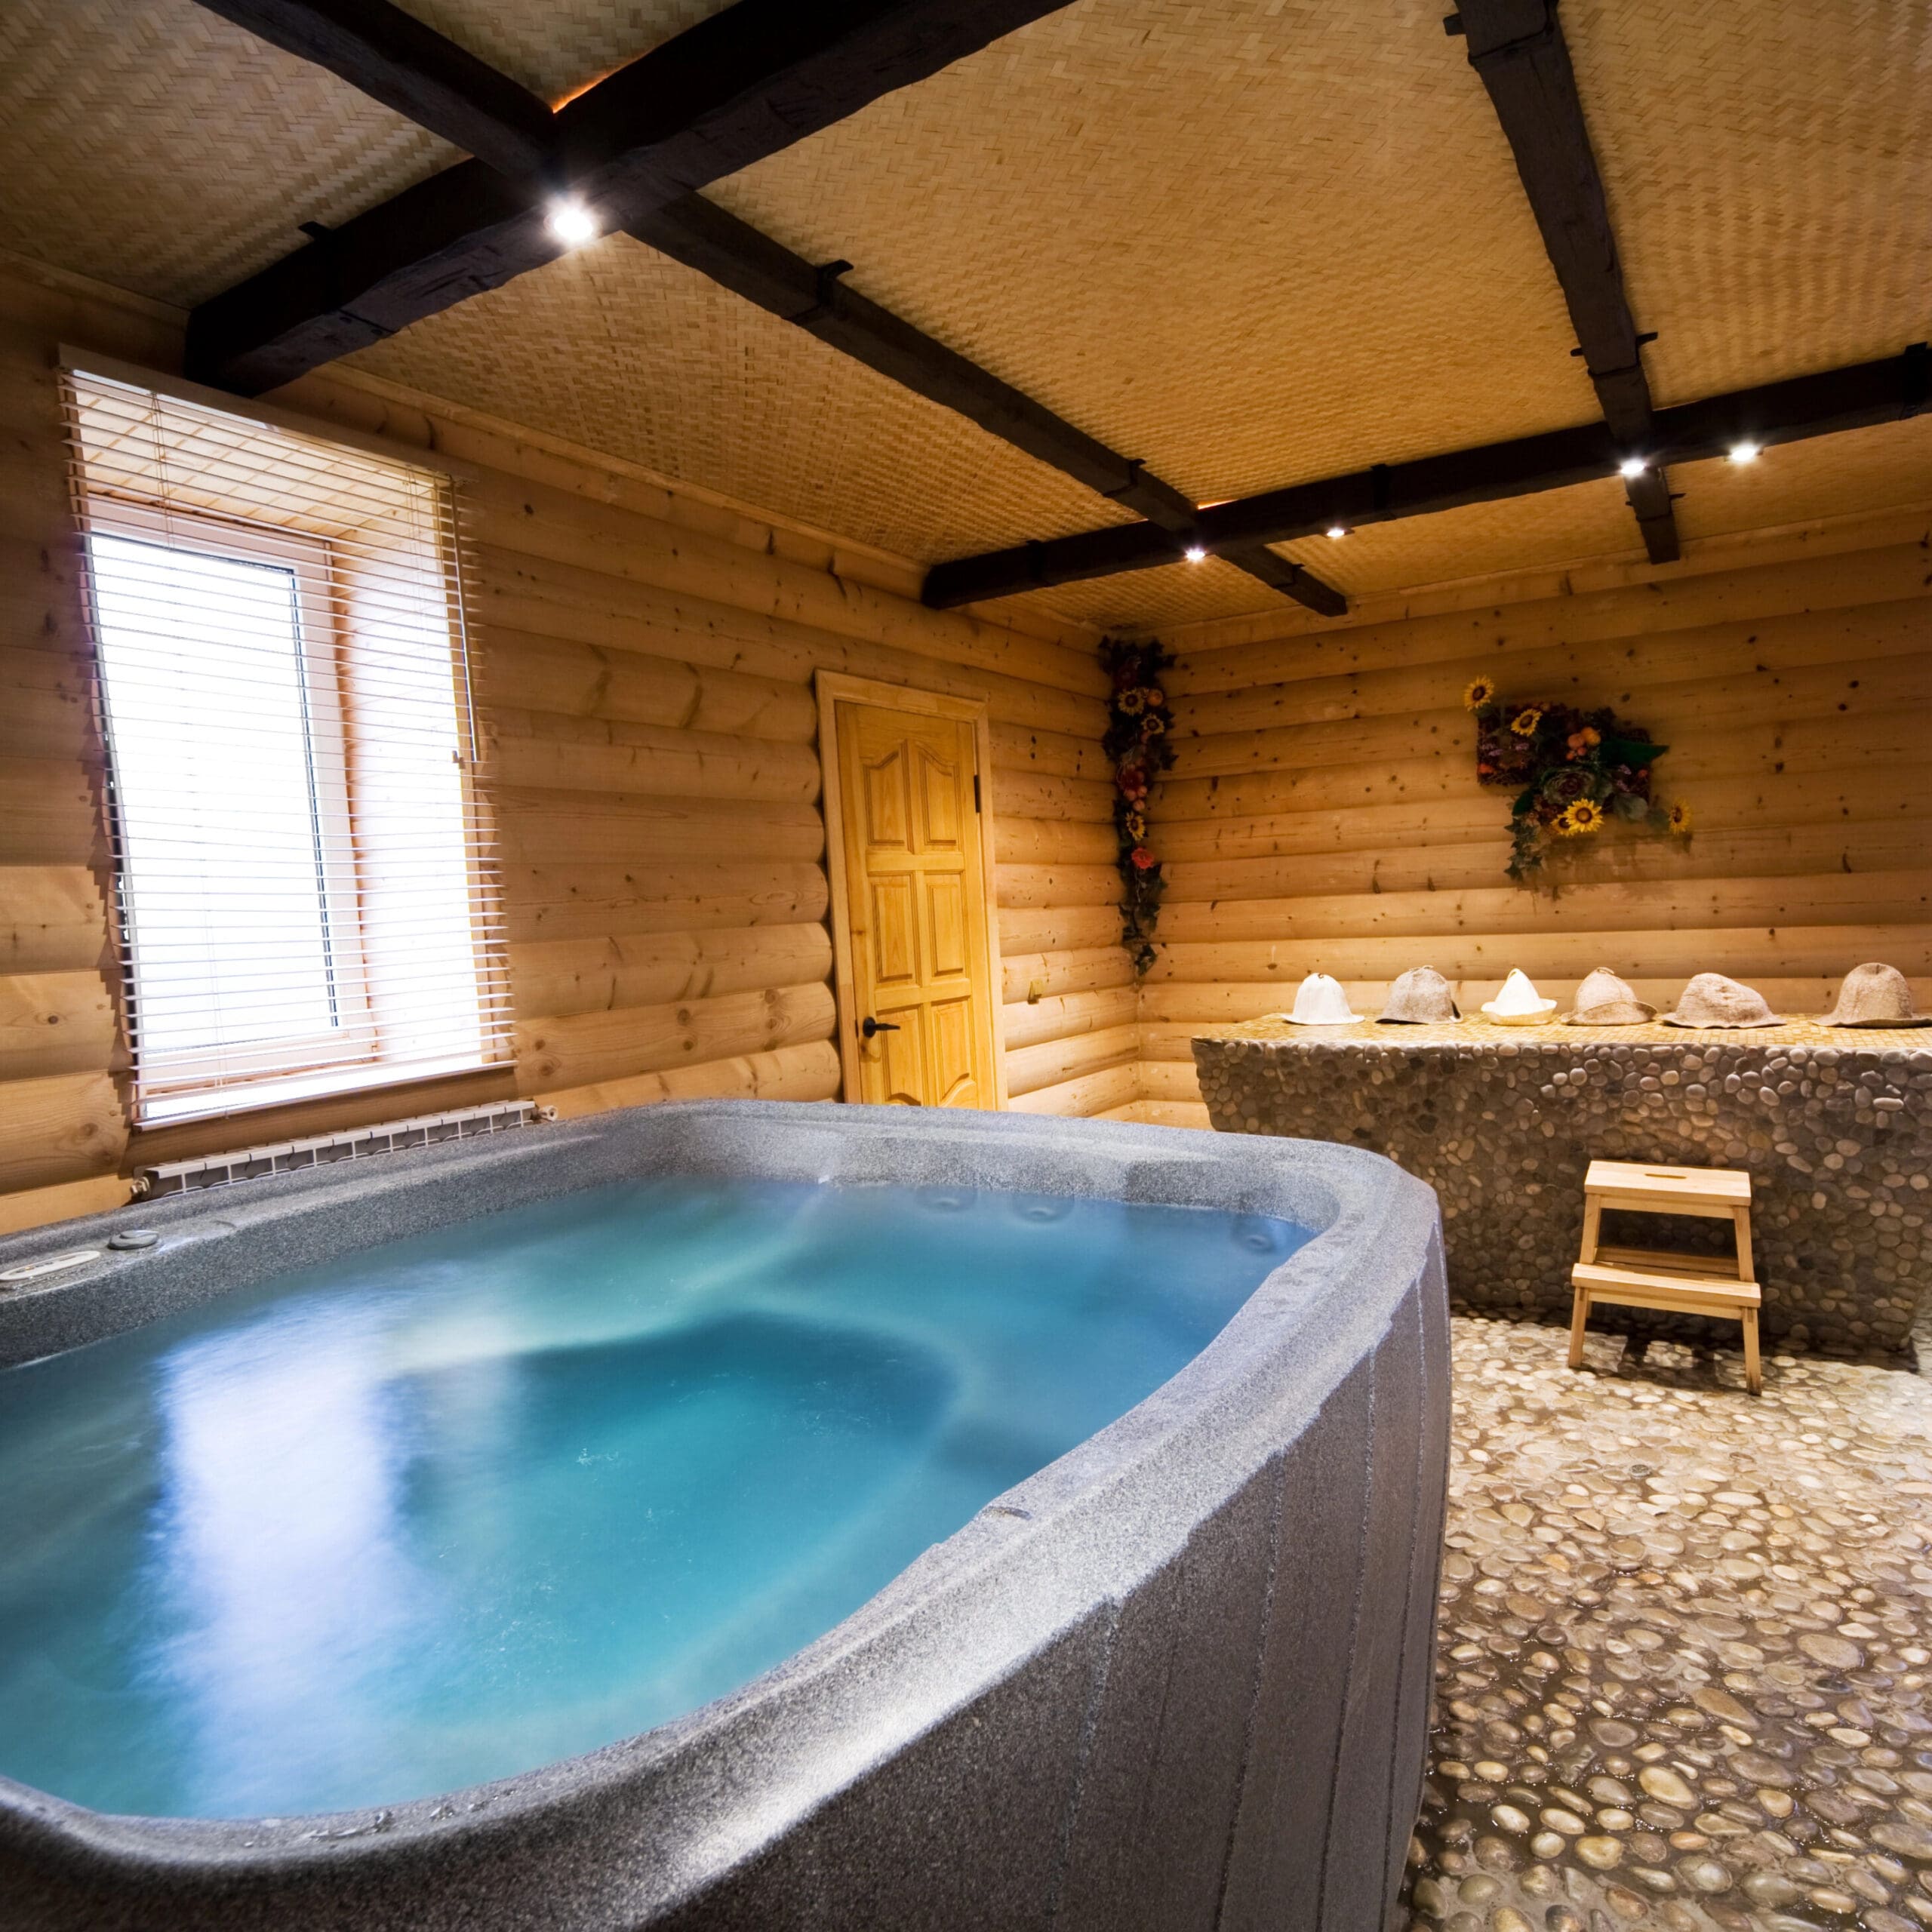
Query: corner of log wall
x: 642, y: 664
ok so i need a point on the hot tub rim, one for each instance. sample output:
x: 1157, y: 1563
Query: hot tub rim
x: 1376, y: 1242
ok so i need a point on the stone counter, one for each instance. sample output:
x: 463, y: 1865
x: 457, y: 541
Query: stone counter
x: 1834, y: 1125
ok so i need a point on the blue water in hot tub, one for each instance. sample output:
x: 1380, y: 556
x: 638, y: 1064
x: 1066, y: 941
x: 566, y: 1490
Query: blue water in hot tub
x: 451, y: 1509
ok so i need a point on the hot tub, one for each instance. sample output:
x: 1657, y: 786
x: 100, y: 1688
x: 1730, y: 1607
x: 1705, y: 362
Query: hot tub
x: 1177, y: 1677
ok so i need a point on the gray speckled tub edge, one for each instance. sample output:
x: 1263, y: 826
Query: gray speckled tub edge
x: 1178, y: 1678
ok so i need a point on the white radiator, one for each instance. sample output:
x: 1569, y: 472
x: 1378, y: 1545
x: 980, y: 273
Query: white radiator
x: 321, y: 1150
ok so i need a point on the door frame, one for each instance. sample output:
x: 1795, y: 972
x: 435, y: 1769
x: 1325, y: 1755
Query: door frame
x: 835, y: 688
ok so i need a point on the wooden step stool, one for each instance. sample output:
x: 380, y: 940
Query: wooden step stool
x: 1652, y: 1278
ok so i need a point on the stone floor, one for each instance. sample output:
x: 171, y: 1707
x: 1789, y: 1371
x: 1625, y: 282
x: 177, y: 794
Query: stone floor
x: 1686, y: 1645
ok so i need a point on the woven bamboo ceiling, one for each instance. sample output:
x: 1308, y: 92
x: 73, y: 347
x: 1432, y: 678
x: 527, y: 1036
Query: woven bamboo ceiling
x: 1250, y: 242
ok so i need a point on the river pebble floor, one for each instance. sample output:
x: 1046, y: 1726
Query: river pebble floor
x: 1686, y: 1645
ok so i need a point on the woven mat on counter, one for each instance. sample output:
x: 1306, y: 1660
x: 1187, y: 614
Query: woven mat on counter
x: 1478, y: 1032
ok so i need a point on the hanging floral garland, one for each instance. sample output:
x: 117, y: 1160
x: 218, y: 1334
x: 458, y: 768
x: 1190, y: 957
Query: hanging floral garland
x: 1138, y: 724
x: 1573, y: 770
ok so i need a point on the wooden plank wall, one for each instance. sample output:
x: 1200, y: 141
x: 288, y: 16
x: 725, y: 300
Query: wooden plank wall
x: 643, y: 661
x: 1323, y: 813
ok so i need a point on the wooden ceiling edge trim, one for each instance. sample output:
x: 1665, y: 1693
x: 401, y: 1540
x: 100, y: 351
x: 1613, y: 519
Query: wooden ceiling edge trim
x: 737, y: 87
x: 882, y: 570
x: 276, y: 413
x: 1609, y: 571
x: 893, y: 573
x: 60, y: 280
x: 1519, y: 51
x: 387, y: 389
x: 1859, y: 395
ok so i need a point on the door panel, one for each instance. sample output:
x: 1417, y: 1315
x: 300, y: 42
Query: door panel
x: 895, y: 930
x: 916, y: 889
x: 885, y: 800
x: 951, y: 1056
x: 900, y: 1069
x: 947, y: 953
x: 938, y: 799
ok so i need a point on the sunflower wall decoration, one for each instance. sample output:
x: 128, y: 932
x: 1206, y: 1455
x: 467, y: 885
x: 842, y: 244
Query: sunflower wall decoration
x: 1573, y: 772
x: 1138, y: 728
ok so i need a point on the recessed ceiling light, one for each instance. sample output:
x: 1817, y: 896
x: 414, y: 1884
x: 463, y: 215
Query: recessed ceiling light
x: 1632, y: 465
x: 1337, y: 531
x: 572, y: 223
x: 1194, y: 554
x: 1746, y: 452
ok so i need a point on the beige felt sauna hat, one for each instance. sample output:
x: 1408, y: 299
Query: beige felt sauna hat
x: 1421, y: 998
x: 1603, y: 1000
x: 1711, y: 1000
x: 1874, y: 996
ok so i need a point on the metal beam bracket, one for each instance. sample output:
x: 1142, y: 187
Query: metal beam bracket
x: 1507, y: 30
x: 826, y: 277
x: 1915, y: 378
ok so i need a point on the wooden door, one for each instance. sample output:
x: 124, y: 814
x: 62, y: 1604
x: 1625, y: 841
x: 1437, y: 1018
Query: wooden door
x: 915, y: 900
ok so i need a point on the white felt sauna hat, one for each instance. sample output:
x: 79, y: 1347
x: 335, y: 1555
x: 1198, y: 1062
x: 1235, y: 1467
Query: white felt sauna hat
x: 1320, y: 1001
x: 1711, y: 1000
x: 1519, y: 1004
x: 1421, y: 998
x: 1874, y: 995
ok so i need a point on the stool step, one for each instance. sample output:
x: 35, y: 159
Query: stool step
x: 1644, y: 1287
x: 1665, y: 1188
x: 1670, y: 1261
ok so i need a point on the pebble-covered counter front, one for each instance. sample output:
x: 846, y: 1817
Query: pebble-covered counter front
x: 1834, y: 1124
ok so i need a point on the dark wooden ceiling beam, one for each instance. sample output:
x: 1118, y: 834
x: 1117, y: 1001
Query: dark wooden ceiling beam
x: 817, y: 299
x: 1290, y: 578
x: 1517, y: 49
x: 392, y: 57
x: 1857, y: 397
x: 743, y: 85
x: 704, y: 236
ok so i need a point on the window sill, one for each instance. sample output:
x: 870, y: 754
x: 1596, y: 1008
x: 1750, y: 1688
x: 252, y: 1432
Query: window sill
x: 255, y: 1097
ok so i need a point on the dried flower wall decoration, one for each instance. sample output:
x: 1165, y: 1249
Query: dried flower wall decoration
x: 1137, y: 744
x: 1573, y: 772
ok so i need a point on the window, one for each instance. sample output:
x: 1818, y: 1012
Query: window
x: 303, y: 880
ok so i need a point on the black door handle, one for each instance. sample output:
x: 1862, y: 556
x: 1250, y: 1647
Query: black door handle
x: 868, y: 1026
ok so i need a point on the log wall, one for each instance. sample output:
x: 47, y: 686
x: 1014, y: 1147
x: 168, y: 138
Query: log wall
x: 1323, y: 813
x: 643, y: 658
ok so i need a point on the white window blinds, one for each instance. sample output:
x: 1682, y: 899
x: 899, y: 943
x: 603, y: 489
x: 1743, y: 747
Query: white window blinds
x: 304, y: 876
